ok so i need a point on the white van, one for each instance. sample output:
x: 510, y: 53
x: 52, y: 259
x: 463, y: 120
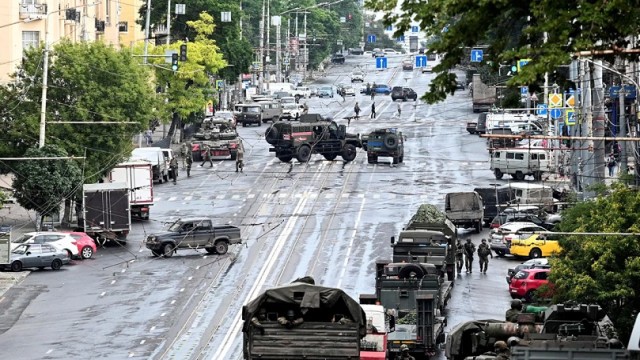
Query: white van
x: 535, y: 194
x: 521, y: 162
x: 159, y: 159
x: 509, y: 120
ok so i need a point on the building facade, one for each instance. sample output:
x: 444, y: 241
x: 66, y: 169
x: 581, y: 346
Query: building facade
x: 27, y: 23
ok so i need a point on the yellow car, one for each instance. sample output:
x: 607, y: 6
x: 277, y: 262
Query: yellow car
x: 535, y: 246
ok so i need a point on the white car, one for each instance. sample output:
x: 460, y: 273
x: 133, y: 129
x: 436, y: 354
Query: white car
x: 357, y: 76
x: 302, y: 92
x: 291, y: 111
x: 390, y: 52
x: 61, y: 241
x: 501, y: 237
x: 426, y: 69
x: 349, y: 91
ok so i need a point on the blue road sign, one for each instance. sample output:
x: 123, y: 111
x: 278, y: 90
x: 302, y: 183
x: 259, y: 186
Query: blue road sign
x: 381, y: 63
x: 219, y: 84
x: 541, y: 109
x: 556, y: 113
x: 476, y: 55
x: 421, y: 61
x: 570, y: 117
x: 415, y: 29
x: 524, y: 90
x: 371, y: 38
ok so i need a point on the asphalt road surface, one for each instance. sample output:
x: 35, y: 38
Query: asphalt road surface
x: 326, y: 219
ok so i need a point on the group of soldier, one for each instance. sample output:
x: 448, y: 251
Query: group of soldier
x: 466, y: 252
x: 187, y: 157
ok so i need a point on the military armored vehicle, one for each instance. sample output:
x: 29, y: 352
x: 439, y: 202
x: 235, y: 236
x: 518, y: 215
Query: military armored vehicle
x: 384, y: 143
x: 311, y: 135
x: 417, y: 293
x: 428, y: 237
x: 303, y: 321
x: 219, y: 136
x: 568, y: 331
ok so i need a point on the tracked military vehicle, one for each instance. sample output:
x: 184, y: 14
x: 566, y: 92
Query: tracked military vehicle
x: 568, y: 331
x: 384, y: 143
x: 311, y: 135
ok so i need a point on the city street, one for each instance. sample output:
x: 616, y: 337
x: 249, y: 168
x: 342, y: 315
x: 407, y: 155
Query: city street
x: 327, y: 219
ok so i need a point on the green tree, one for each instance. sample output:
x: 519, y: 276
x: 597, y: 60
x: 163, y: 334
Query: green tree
x: 89, y: 83
x: 602, y: 269
x: 514, y: 30
x: 42, y: 185
x: 190, y: 86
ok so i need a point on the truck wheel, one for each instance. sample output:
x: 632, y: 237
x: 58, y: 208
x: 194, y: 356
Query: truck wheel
x: 285, y: 158
x: 401, y: 159
x: 411, y: 271
x: 303, y: 154
x: 349, y: 153
x: 211, y: 250
x: 498, y: 174
x: 479, y: 227
x: 535, y: 253
x: 222, y: 247
x: 519, y: 175
x: 390, y: 141
x: 371, y: 159
x: 168, y: 250
x: 271, y: 135
x: 395, y: 160
x: 537, y: 175
x: 330, y: 157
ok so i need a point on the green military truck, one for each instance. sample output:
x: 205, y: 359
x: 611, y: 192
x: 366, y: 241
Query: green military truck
x: 428, y: 237
x: 311, y: 135
x: 303, y: 321
x: 388, y: 142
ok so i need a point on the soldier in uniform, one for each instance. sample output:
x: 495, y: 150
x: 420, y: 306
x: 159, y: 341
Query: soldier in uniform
x: 290, y: 320
x: 502, y: 350
x: 189, y: 161
x: 404, y: 353
x: 183, y: 154
x: 459, y: 256
x: 516, y: 308
x: 239, y: 158
x: 173, y: 166
x: 469, y: 250
x: 207, y: 156
x: 483, y: 254
x: 257, y: 320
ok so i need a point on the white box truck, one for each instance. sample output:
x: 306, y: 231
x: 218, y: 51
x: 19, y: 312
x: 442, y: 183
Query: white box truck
x: 138, y: 176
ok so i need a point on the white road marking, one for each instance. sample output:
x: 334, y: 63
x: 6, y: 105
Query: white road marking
x: 190, y: 277
x: 130, y: 354
x: 142, y: 341
x: 173, y: 198
x: 173, y: 302
x: 103, y: 294
x: 49, y: 351
x: 163, y: 314
x: 152, y: 328
x: 113, y: 282
x: 188, y: 198
x: 182, y: 290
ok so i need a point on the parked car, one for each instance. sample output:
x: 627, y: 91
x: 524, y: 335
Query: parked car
x: 377, y: 53
x: 403, y: 93
x: 525, y: 283
x: 426, y: 69
x: 389, y: 51
x: 348, y: 91
x: 86, y: 245
x: 407, y: 65
x: 502, y: 237
x: 378, y: 88
x: 536, y: 246
x: 460, y: 85
x: 313, y: 91
x: 338, y: 59
x: 507, y: 217
x: 356, y: 51
x: 541, y: 263
x: 36, y: 256
x: 325, y: 91
x: 357, y: 76
x: 60, y: 240
x: 340, y: 88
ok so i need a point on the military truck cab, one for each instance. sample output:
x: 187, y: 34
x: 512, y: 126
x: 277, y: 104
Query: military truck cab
x: 301, y: 139
x: 250, y: 114
x: 384, y: 143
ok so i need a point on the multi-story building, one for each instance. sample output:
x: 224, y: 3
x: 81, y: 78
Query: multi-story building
x: 26, y: 23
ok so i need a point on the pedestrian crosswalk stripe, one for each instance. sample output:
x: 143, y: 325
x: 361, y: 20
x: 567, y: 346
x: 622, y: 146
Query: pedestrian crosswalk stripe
x: 173, y: 198
x: 251, y: 196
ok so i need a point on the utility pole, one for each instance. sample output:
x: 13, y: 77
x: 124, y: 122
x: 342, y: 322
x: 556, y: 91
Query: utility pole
x: 147, y: 33
x: 261, y: 50
x: 268, y: 44
x: 278, y: 65
x: 168, y: 22
x: 623, y: 128
x: 45, y: 82
x: 599, y: 118
x: 305, y: 58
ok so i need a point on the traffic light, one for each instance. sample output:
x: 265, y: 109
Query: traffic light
x: 183, y: 52
x: 174, y: 62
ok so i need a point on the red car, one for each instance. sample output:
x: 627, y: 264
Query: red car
x: 526, y: 282
x: 86, y: 245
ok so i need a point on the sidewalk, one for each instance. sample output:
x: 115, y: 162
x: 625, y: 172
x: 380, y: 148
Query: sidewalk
x: 9, y: 279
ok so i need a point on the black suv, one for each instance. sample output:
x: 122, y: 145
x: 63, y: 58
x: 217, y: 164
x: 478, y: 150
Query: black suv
x: 337, y: 59
x: 384, y: 142
x: 403, y: 93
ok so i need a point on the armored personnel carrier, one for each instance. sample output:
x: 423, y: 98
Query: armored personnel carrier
x: 384, y: 143
x: 311, y: 135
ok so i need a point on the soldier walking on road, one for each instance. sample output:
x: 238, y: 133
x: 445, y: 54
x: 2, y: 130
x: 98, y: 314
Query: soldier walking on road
x: 173, y: 167
x: 484, y: 251
x: 459, y: 257
x: 189, y: 162
x: 184, y: 148
x: 469, y: 250
x: 356, y: 109
x: 373, y: 110
x: 240, y: 158
x: 206, y: 156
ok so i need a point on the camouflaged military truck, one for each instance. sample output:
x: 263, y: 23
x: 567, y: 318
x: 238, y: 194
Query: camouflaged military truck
x: 384, y: 143
x: 311, y: 135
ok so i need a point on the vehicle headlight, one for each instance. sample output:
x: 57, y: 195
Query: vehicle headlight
x: 151, y: 238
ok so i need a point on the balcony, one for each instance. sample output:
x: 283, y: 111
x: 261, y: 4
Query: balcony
x: 33, y: 11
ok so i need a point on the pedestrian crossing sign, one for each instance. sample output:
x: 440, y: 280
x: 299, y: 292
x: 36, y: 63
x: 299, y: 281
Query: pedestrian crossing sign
x: 570, y: 117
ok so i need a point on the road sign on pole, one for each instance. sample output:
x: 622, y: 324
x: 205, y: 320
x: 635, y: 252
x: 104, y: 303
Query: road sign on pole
x: 381, y: 63
x: 371, y: 38
x: 521, y: 63
x: 524, y: 90
x: 421, y: 61
x: 541, y: 109
x: 476, y: 55
x: 556, y: 113
x: 570, y: 117
x: 555, y: 100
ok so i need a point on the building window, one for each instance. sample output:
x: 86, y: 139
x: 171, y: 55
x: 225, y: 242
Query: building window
x: 108, y: 12
x: 30, y: 2
x: 123, y: 26
x: 30, y: 39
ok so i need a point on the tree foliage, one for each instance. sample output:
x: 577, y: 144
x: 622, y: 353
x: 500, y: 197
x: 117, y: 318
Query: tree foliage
x: 602, y: 269
x: 513, y: 30
x: 88, y: 82
x: 188, y: 88
x: 42, y: 185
